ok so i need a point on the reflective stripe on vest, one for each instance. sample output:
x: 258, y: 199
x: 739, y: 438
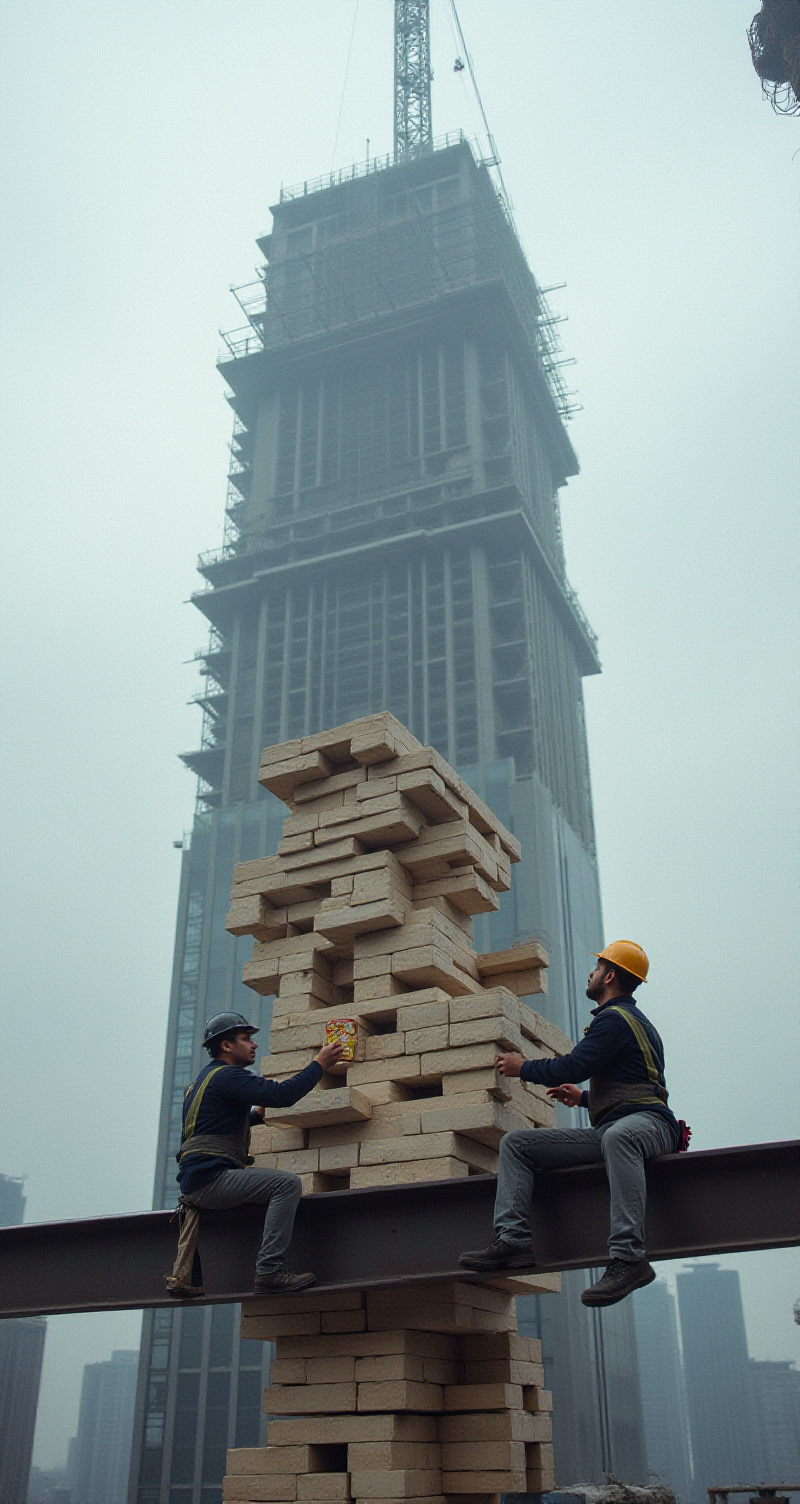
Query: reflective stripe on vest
x: 190, y: 1121
x: 643, y: 1041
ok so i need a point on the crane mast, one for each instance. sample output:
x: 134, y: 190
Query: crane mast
x: 412, y: 78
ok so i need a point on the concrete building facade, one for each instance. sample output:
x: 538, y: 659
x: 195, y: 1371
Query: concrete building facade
x: 21, y: 1357
x: 776, y: 1391
x: 393, y: 542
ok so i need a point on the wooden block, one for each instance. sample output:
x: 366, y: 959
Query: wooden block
x: 485, y: 1079
x: 302, y: 841
x: 267, y: 1328
x: 323, y: 1370
x: 484, y: 1482
x: 465, y: 888
x: 385, y: 1456
x: 502, y: 1032
x: 480, y: 1456
x: 412, y: 1146
x: 338, y: 1158
x: 542, y: 1402
x: 272, y: 1139
x: 400, y: 1394
x: 548, y: 1034
x: 483, y: 1397
x: 345, y: 1429
x: 469, y: 1058
x: 379, y: 1344
x: 526, y: 983
x: 344, y: 1321
x: 396, y: 1483
x: 419, y: 1041
x: 334, y: 844
x: 485, y: 1124
x: 246, y: 915
x: 309, y: 1399
x: 285, y: 1037
x: 339, y: 1104
x: 309, y: 1300
x: 402, y: 1068
x: 520, y: 957
x: 282, y: 778
x: 440, y: 1308
x: 398, y: 823
x: 491, y: 1346
x: 385, y: 1046
x: 254, y: 1490
x: 421, y: 1015
x: 430, y: 966
x: 493, y: 1002
x: 527, y: 1284
x: 323, y: 1486
x: 503, y: 1371
x: 408, y: 1172
x: 298, y: 1161
x: 429, y: 792
x: 344, y: 923
x: 454, y: 844
x: 489, y: 1426
x: 323, y: 788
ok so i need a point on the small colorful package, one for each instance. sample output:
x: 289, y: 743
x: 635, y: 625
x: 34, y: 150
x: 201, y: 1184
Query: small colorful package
x: 344, y: 1031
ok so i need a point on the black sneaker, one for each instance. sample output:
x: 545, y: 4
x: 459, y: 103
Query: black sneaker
x: 498, y: 1255
x: 620, y: 1279
x: 282, y: 1282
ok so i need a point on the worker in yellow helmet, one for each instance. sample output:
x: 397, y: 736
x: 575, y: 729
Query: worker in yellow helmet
x: 622, y: 1057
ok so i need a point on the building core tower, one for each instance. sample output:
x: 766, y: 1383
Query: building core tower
x: 393, y: 542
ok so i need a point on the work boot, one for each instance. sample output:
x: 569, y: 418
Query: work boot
x: 282, y: 1282
x: 498, y: 1255
x: 621, y: 1277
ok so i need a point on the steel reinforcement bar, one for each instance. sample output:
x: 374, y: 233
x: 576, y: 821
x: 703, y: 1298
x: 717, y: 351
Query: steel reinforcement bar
x: 704, y: 1202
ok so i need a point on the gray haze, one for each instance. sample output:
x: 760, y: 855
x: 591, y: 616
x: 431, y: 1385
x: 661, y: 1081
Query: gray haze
x: 143, y: 145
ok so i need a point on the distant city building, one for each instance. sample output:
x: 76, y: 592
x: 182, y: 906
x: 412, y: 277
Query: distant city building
x: 101, y: 1456
x: 719, y: 1390
x: 48, y: 1485
x: 21, y: 1354
x: 12, y: 1200
x: 663, y: 1389
x: 776, y: 1390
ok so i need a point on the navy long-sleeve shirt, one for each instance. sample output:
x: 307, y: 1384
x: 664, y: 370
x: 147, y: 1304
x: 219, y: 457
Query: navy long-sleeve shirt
x: 227, y: 1105
x: 609, y: 1047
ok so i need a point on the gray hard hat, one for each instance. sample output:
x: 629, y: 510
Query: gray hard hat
x: 226, y: 1023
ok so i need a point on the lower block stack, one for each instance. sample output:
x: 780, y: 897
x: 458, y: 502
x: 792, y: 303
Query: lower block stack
x: 426, y: 1393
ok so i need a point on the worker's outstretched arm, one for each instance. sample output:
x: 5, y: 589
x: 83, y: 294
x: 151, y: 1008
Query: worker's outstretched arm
x: 258, y: 1092
x: 600, y: 1046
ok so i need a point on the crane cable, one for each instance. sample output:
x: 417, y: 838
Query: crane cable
x: 344, y: 85
x: 490, y: 137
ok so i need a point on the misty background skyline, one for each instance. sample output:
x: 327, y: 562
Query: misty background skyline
x: 143, y: 146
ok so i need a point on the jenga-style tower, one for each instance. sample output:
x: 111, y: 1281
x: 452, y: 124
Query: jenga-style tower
x: 365, y: 911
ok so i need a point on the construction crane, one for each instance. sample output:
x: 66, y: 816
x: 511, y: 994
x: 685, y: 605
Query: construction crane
x: 412, y: 78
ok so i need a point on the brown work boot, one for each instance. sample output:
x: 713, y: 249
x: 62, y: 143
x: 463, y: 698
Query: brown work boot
x: 621, y: 1278
x: 282, y: 1282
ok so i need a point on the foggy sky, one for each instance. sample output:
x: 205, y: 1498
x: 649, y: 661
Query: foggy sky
x: 143, y: 144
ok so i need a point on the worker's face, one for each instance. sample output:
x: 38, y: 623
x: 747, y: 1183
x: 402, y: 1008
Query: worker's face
x: 594, y: 986
x: 242, y: 1049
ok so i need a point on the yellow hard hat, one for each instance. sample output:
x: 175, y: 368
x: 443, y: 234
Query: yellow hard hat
x: 627, y: 955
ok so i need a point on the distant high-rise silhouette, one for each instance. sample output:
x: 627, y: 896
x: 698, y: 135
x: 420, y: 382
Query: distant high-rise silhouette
x: 100, y: 1458
x: 776, y: 1390
x: 719, y: 1391
x: 21, y: 1356
x: 663, y: 1389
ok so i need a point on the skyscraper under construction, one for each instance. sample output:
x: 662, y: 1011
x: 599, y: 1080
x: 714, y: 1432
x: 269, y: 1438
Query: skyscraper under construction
x: 392, y: 542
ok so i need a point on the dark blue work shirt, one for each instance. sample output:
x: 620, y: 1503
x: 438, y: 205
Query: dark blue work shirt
x: 226, y: 1108
x: 609, y: 1047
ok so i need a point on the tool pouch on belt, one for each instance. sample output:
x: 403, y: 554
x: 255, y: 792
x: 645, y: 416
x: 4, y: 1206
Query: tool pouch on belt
x: 186, y: 1278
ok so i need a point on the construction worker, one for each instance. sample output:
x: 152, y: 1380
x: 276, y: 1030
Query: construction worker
x: 622, y: 1057
x: 219, y: 1108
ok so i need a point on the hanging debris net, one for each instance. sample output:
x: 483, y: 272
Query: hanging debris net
x: 774, y: 38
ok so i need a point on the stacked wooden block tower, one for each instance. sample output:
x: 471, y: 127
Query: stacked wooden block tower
x: 365, y: 912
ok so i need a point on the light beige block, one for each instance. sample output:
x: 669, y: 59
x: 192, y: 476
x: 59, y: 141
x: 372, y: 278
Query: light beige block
x: 396, y: 1483
x: 264, y: 1489
x: 408, y: 1172
x: 329, y: 1487
x: 400, y: 1394
x: 484, y: 1483
x: 483, y: 1397
x: 282, y: 778
x: 276, y: 1324
x: 320, y: 1109
x: 481, y: 1456
x: 344, y: 1321
x: 488, y: 1426
x: 385, y: 1456
x: 309, y: 1399
x: 344, y: 1429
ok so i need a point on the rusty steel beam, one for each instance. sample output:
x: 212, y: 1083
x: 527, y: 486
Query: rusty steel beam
x: 704, y: 1202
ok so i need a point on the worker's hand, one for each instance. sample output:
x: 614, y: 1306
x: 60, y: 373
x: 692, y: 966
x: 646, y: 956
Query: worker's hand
x: 329, y: 1054
x: 260, y: 1112
x: 568, y: 1094
x: 509, y: 1065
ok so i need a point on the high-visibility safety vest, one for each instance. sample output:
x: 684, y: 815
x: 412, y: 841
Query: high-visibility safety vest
x: 211, y: 1145
x: 605, y: 1094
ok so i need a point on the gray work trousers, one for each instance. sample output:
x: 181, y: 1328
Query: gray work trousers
x: 278, y: 1190
x: 624, y: 1145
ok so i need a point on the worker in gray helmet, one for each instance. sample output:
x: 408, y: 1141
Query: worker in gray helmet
x: 219, y: 1109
